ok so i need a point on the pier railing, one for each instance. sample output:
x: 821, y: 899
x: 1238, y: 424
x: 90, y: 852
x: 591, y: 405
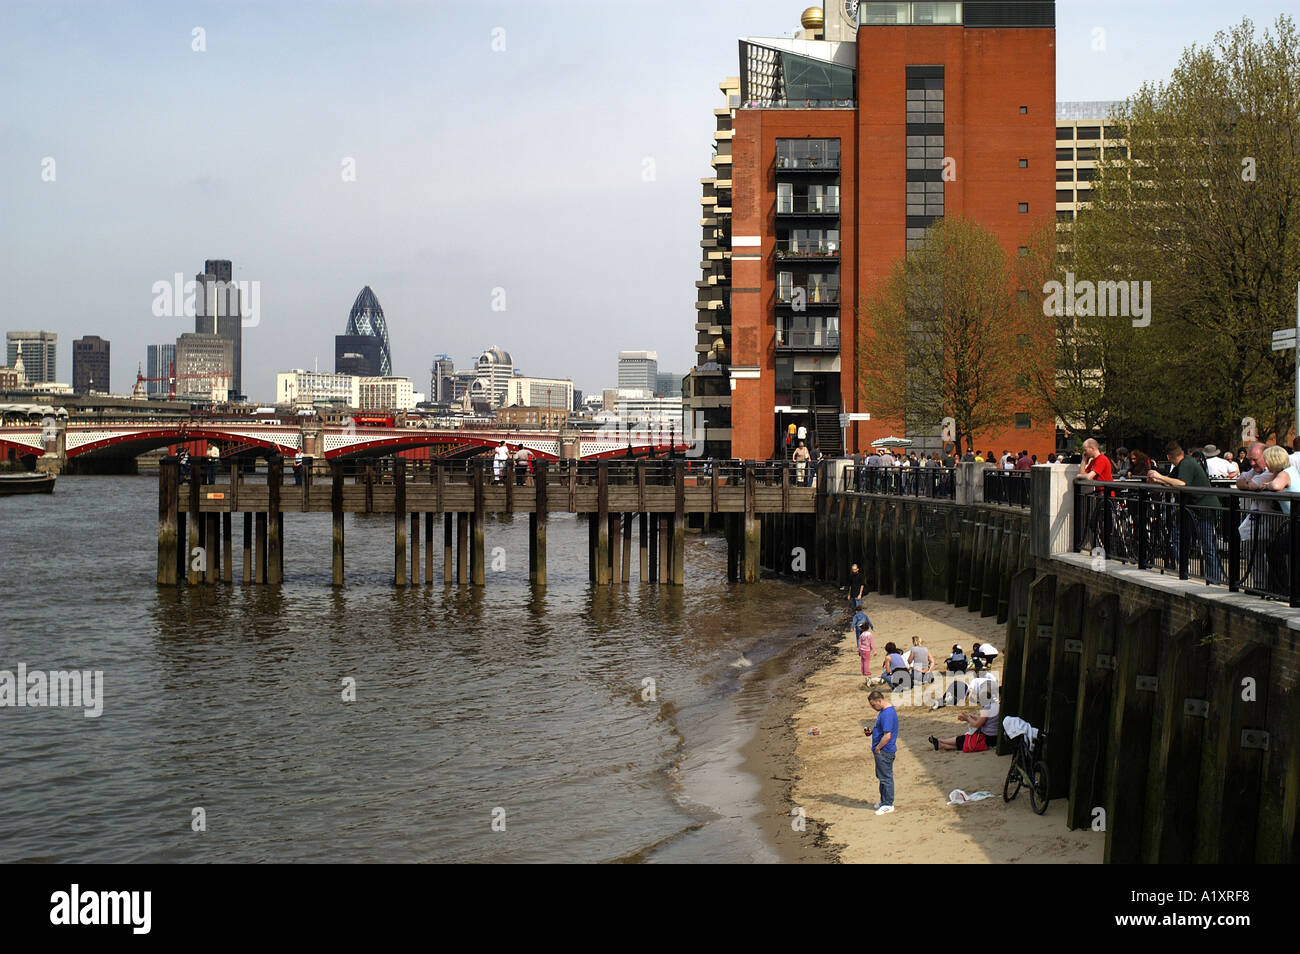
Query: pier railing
x: 897, y: 481
x: 1009, y: 487
x: 1246, y: 541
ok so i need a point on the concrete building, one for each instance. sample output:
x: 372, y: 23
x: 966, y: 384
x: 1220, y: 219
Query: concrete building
x: 638, y: 369
x: 706, y: 391
x: 160, y: 363
x: 851, y: 139
x: 496, y: 367
x: 90, y: 365
x: 668, y: 384
x: 385, y: 394
x: 218, y: 311
x: 1084, y: 133
x: 203, y: 367
x: 40, y: 354
x: 308, y: 387
x: 540, y: 392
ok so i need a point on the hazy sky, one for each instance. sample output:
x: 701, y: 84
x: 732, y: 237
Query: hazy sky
x: 563, y: 169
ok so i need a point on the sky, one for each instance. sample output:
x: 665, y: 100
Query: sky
x: 526, y: 174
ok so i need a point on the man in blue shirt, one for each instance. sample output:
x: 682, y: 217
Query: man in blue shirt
x: 884, y: 739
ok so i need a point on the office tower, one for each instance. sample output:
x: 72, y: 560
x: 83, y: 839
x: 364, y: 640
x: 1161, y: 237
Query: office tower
x: 160, y: 364
x: 363, y: 348
x: 217, y: 311
x: 40, y: 354
x: 90, y: 366
x: 638, y: 369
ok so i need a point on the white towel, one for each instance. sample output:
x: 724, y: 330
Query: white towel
x: 1015, y: 727
x: 958, y: 797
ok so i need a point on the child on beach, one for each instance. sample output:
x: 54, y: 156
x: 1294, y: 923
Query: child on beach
x: 866, y: 639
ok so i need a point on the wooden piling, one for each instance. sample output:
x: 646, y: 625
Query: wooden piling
x: 196, y: 527
x: 447, y: 560
x: 1135, y: 687
x: 1063, y: 686
x: 750, y: 571
x: 428, y: 547
x: 248, y: 548
x: 274, y: 523
x: 212, y: 555
x: 537, y: 525
x: 399, y: 522
x: 627, y: 547
x: 615, y: 549
x: 653, y: 522
x: 1037, y: 651
x: 227, y: 554
x: 1182, y: 710
x: 168, y: 477
x: 678, y: 532
x: 415, y: 548
x: 1013, y: 652
x: 602, y: 523
x: 261, y: 573
x: 1089, y: 753
x: 665, y: 550
x: 478, y: 520
x: 643, y: 542
x: 462, y: 549
x: 336, y: 517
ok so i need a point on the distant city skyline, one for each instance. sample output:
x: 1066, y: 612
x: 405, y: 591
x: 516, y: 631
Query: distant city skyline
x: 533, y: 184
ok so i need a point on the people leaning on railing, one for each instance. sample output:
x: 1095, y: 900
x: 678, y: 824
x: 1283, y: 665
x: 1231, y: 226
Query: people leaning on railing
x: 1202, y: 511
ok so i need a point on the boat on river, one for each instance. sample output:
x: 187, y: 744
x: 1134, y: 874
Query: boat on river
x: 26, y: 484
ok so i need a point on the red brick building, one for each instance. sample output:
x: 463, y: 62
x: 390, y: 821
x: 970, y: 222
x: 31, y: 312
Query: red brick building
x: 851, y: 139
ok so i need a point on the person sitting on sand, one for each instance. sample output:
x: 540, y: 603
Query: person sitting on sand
x: 919, y: 658
x: 957, y: 662
x: 983, y: 731
x: 896, y: 671
x: 984, y: 656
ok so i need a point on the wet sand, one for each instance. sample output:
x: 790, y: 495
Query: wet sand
x: 831, y: 774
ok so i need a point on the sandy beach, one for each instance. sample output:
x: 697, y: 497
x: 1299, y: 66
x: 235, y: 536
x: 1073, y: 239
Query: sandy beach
x: 831, y: 775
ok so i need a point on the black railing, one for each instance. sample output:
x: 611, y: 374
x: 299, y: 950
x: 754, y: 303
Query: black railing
x: 1247, y: 541
x: 898, y: 481
x: 1010, y: 487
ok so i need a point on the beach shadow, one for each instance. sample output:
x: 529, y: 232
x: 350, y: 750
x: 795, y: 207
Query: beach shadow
x: 845, y: 802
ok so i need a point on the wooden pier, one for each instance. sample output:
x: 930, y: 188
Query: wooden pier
x: 195, y: 539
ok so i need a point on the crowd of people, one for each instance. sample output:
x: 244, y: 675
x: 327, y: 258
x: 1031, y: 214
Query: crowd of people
x: 1260, y: 467
x: 903, y: 670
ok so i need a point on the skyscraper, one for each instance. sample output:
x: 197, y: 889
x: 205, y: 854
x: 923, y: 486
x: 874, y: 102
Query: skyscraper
x: 441, y: 382
x: 40, y: 354
x: 160, y: 363
x: 638, y: 369
x: 90, y: 365
x: 873, y: 122
x: 365, y: 321
x: 217, y: 312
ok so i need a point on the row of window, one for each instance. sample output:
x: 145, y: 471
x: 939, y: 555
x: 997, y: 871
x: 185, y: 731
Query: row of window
x: 1070, y: 175
x: 1089, y: 132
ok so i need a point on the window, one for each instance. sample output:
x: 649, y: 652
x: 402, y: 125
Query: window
x: 1089, y: 132
x: 1022, y: 207
x: 1024, y: 163
x: 1022, y: 251
x: 1087, y: 175
x: 1024, y: 110
x: 1022, y: 341
x: 1064, y: 215
x: 1065, y: 154
x: 1064, y: 175
x: 1022, y: 296
x: 1120, y: 151
x: 1089, y: 153
x: 1064, y: 132
x: 1064, y: 195
x: 1022, y: 421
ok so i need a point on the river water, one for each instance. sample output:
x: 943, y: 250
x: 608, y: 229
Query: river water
x: 472, y: 705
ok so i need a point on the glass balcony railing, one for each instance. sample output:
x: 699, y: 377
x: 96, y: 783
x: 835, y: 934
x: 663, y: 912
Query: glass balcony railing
x: 807, y: 339
x: 807, y: 248
x: 819, y: 294
x: 808, y: 162
x: 807, y: 205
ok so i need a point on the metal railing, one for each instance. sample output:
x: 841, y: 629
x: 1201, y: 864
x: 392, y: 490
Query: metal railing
x: 1246, y: 542
x: 807, y: 205
x: 1010, y: 487
x: 807, y: 248
x: 827, y: 294
x: 808, y: 339
x: 898, y: 481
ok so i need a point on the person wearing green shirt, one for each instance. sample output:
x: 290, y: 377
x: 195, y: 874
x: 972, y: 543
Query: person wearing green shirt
x: 1203, y: 510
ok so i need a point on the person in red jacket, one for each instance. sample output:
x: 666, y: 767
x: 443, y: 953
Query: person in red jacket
x: 1096, y: 466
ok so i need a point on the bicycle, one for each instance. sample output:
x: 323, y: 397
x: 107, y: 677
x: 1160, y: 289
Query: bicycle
x: 1028, y: 767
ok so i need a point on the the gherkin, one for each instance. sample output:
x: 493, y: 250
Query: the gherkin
x: 367, y: 319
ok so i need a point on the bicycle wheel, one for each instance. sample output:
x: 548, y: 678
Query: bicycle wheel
x: 1038, y: 788
x: 1011, y: 788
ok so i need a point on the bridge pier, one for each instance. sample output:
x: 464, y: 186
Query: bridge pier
x: 196, y: 528
x: 642, y: 542
x: 248, y: 548
x: 260, y: 573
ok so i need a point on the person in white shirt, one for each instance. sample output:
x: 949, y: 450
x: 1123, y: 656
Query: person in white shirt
x: 802, y: 433
x: 1234, y: 470
x: 499, y: 460
x: 981, y: 735
x: 1215, y: 465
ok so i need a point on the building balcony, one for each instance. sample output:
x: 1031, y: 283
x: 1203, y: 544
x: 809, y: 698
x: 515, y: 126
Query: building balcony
x: 812, y: 296
x: 806, y: 251
x: 807, y: 164
x: 804, y: 340
x: 808, y: 206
